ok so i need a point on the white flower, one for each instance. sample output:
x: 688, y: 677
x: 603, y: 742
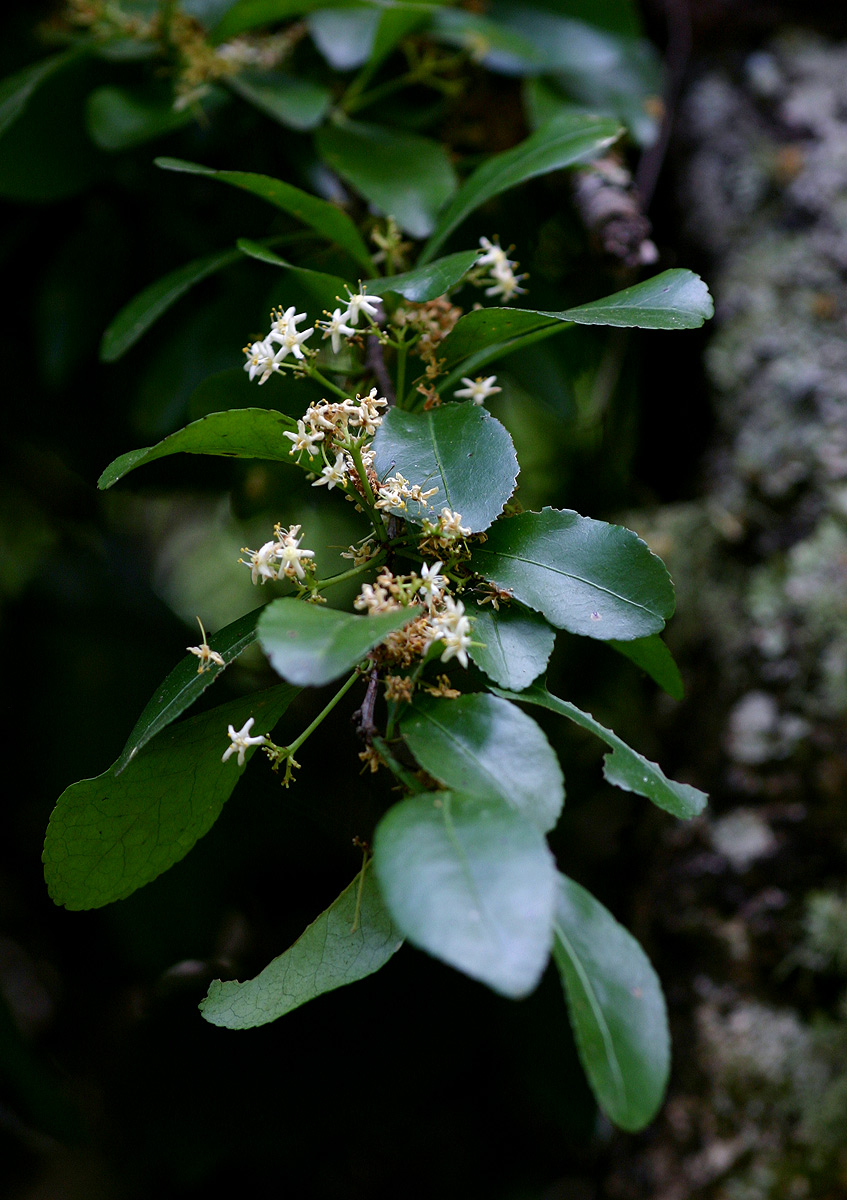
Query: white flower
x: 335, y: 329
x: 303, y: 440
x: 290, y: 555
x: 332, y: 475
x: 205, y: 653
x: 241, y: 740
x: 450, y: 524
x: 261, y: 357
x: 494, y: 255
x: 261, y: 561
x: 478, y: 389
x: 453, y: 628
x: 505, y: 282
x: 433, y: 584
x: 360, y: 303
x: 284, y: 331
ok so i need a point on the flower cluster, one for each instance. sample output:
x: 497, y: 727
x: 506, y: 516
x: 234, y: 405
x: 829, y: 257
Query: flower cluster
x: 450, y: 625
x: 504, y: 283
x: 446, y: 530
x: 396, y: 492
x: 343, y: 322
x: 264, y: 358
x: 279, y: 558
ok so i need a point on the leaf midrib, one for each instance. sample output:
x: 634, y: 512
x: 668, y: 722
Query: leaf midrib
x: 570, y: 575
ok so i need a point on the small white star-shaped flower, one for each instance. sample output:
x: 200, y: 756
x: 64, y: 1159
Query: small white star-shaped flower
x: 335, y: 329
x: 262, y: 358
x: 478, y: 389
x: 240, y: 741
x: 332, y: 475
x: 261, y: 561
x: 303, y: 440
x: 360, y: 303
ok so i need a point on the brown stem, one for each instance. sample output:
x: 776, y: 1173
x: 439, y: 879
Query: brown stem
x: 366, y: 728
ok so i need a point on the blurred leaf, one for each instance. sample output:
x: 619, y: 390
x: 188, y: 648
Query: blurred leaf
x: 107, y: 836
x: 207, y: 12
x: 344, y: 36
x: 653, y: 657
x: 624, y: 767
x: 119, y: 118
x: 311, y: 646
x: 602, y: 69
x: 482, y: 746
x: 17, y: 90
x: 676, y: 299
x: 427, y: 282
x: 569, y: 138
x: 472, y: 883
x: 347, y: 942
x: 616, y: 1008
x: 487, y: 41
x: 586, y: 576
x: 239, y: 433
x: 248, y: 14
x: 185, y: 683
x: 296, y: 103
x: 403, y: 175
x: 516, y: 644
x: 143, y: 310
x: 461, y: 449
x: 318, y: 214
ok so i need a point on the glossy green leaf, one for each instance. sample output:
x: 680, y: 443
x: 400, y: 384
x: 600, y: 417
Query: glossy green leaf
x: 403, y: 175
x: 616, y: 1008
x: 586, y: 576
x: 569, y: 138
x: 483, y: 746
x: 17, y: 90
x: 516, y: 644
x: 311, y: 645
x: 327, y: 220
x: 471, y: 882
x: 119, y: 118
x: 326, y: 289
x: 396, y: 22
x: 425, y: 283
x: 655, y: 659
x: 347, y: 942
x: 144, y: 309
x: 185, y: 684
x: 624, y: 767
x: 458, y: 448
x: 250, y: 14
x: 485, y: 327
x: 239, y: 433
x: 109, y: 836
x: 295, y: 103
x: 676, y: 299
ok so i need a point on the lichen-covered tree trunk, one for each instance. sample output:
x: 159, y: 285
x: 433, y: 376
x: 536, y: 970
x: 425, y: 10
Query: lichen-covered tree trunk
x: 752, y: 941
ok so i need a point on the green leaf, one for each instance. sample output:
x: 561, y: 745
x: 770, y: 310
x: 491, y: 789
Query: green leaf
x: 516, y: 644
x: 249, y: 14
x: 487, y: 41
x: 346, y: 943
x: 401, y: 174
x: 616, y: 1008
x: 586, y: 576
x: 16, y: 90
x: 185, y: 683
x: 487, y: 335
x: 676, y: 299
x: 471, y: 882
x: 425, y: 283
x: 567, y: 139
x: 344, y: 36
x: 239, y: 433
x: 624, y: 767
x: 461, y: 449
x: 655, y: 659
x: 311, y: 646
x: 144, y: 309
x: 327, y: 220
x: 296, y: 103
x: 120, y: 118
x: 109, y: 836
x: 483, y: 746
x: 326, y: 289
